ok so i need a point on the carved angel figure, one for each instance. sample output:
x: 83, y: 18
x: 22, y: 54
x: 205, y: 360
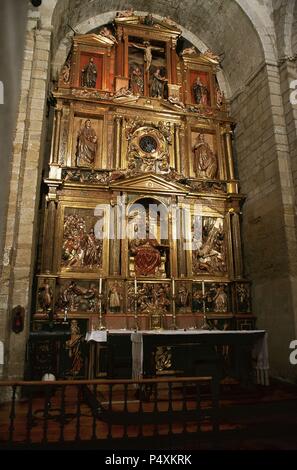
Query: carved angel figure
x: 125, y: 13
x: 106, y: 32
x: 189, y: 50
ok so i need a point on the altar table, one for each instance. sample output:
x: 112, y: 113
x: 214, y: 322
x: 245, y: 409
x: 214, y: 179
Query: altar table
x: 246, y: 346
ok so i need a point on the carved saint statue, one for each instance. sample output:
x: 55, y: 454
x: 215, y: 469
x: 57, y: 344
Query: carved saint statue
x: 66, y: 73
x: 147, y: 257
x: 114, y: 299
x: 147, y: 48
x: 157, y: 86
x: 74, y: 347
x: 200, y: 92
x: 86, y: 145
x: 89, y: 74
x: 136, y: 81
x: 205, y: 161
x: 221, y: 300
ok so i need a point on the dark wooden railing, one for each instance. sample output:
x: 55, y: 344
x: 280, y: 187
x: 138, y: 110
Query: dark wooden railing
x: 104, y: 413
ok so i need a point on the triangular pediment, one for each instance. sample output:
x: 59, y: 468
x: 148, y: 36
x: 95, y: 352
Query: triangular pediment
x: 93, y: 39
x: 149, y: 183
x: 196, y: 58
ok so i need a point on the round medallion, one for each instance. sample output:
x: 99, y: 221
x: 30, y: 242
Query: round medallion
x: 148, y: 144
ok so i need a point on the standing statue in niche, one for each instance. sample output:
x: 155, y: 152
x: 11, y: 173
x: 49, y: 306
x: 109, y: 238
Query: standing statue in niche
x: 200, y: 92
x: 115, y: 299
x: 136, y: 81
x: 147, y: 48
x: 86, y: 145
x: 205, y: 161
x: 89, y: 74
x: 158, y: 83
x: 221, y: 300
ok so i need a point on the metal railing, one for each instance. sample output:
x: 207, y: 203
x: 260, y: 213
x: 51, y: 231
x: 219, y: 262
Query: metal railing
x: 100, y: 413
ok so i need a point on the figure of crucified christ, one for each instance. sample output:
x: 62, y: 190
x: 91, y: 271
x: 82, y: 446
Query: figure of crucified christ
x: 147, y: 48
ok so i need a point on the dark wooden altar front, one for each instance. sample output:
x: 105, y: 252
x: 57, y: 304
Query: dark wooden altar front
x: 185, y: 353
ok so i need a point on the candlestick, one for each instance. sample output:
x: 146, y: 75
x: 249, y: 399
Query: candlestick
x: 205, y: 325
x: 65, y: 315
x: 174, y: 326
x: 101, y: 324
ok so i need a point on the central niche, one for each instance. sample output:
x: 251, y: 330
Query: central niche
x: 148, y: 147
x: 148, y: 239
x: 148, y: 144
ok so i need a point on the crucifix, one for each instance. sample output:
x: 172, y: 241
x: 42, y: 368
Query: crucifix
x: 147, y: 48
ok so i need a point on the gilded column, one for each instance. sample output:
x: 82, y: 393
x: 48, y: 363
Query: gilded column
x: 115, y: 241
x: 118, y: 122
x: 49, y: 236
x: 181, y: 252
x: 56, y: 137
x: 229, y: 244
x: 172, y: 218
x: 228, y: 134
x: 177, y: 148
x: 237, y: 251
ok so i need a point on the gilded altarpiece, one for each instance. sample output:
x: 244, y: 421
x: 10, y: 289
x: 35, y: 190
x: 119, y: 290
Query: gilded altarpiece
x: 142, y: 217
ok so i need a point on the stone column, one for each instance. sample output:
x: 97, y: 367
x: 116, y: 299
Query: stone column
x: 20, y: 236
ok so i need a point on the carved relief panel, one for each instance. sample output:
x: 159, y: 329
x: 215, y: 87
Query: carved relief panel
x: 80, y: 247
x: 209, y: 252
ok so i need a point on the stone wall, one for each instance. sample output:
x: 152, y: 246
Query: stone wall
x: 21, y: 229
x: 269, y: 230
x: 13, y: 20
